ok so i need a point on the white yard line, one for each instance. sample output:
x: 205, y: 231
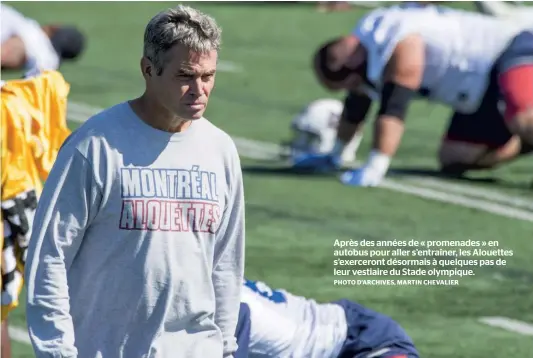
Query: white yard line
x: 460, y: 200
x: 472, y: 191
x: 433, y: 189
x: 19, y: 335
x: 78, y: 109
x: 509, y: 324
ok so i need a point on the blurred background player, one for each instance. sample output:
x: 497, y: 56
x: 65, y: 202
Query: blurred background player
x: 284, y: 325
x: 413, y: 58
x: 33, y: 127
x: 330, y: 6
x: 508, y: 10
x: 28, y: 45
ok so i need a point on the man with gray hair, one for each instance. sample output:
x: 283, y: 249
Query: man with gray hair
x: 138, y: 242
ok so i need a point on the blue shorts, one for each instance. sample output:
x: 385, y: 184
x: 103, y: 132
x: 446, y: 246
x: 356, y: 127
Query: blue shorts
x: 242, y: 332
x: 372, y: 334
x: 519, y: 52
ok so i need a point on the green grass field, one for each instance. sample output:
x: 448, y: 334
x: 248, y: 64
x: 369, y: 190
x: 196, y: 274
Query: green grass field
x: 293, y: 221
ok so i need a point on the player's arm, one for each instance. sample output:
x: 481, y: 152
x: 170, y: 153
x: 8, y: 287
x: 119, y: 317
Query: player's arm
x: 228, y: 265
x: 69, y: 202
x: 402, y: 81
x: 13, y: 53
x: 356, y: 107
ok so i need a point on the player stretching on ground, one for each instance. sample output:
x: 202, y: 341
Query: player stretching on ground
x: 454, y: 57
x: 284, y: 325
x: 28, y: 45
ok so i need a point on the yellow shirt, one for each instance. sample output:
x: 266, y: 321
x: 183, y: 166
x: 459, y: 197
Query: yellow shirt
x: 33, y: 129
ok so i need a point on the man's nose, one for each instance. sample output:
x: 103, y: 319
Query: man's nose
x: 195, y: 87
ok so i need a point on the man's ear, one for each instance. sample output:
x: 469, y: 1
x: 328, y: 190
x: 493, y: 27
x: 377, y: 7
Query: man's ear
x: 147, y: 67
x: 343, y: 52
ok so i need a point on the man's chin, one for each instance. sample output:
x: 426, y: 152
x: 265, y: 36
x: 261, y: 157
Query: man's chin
x: 197, y: 115
x: 192, y: 115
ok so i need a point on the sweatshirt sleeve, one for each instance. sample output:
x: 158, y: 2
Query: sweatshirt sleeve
x: 69, y: 202
x: 228, y: 272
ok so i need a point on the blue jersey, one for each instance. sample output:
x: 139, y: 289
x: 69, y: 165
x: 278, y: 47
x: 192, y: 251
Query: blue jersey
x: 285, y: 325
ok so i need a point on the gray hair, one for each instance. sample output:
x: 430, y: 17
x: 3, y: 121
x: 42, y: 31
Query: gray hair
x: 181, y: 25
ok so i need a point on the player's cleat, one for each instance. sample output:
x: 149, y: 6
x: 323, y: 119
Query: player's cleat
x: 316, y: 163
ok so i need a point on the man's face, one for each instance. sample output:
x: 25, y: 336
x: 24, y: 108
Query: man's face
x: 344, y: 68
x: 186, y: 82
x: 351, y: 82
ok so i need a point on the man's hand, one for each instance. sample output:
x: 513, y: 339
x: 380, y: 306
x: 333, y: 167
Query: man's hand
x: 365, y: 177
x: 13, y: 53
x: 371, y: 174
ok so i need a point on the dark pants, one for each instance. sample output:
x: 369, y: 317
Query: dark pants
x: 242, y: 333
x: 372, y: 334
x: 487, y: 126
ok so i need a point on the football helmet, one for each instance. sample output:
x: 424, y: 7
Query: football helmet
x: 314, y: 130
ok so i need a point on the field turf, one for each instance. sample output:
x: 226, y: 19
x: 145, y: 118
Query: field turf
x: 293, y: 221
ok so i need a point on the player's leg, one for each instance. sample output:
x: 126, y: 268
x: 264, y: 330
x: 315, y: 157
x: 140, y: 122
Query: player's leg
x: 5, y: 344
x: 5, y: 350
x: 374, y: 335
x: 327, y: 6
x: 242, y: 332
x: 515, y: 69
x: 6, y: 269
x: 480, y: 140
x: 17, y: 214
x: 470, y: 144
x: 456, y: 157
x: 13, y: 53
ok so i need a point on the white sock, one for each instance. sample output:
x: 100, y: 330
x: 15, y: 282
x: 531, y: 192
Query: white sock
x: 379, y: 161
x: 352, y: 147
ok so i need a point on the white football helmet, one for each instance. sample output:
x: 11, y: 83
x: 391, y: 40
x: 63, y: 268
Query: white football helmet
x: 315, y: 130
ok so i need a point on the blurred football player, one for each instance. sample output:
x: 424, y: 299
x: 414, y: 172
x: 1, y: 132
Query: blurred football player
x: 27, y: 45
x: 449, y: 56
x: 283, y: 325
x: 33, y: 127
